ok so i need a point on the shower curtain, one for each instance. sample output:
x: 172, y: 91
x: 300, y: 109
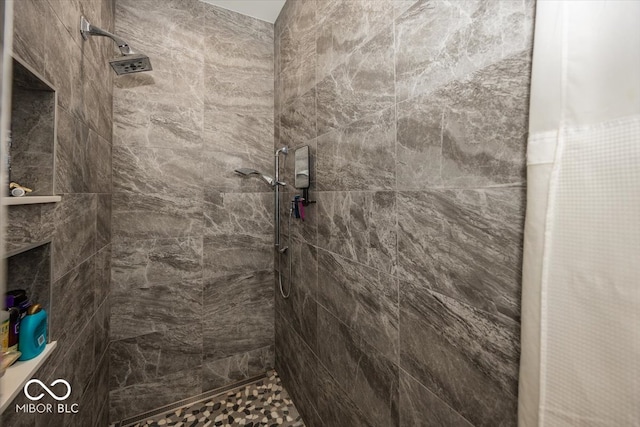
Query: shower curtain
x: 580, y: 363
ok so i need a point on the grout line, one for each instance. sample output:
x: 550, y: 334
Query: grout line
x: 434, y: 395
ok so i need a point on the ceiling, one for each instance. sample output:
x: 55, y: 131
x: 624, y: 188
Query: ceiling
x: 265, y: 10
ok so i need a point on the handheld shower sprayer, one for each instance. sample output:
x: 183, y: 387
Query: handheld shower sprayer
x: 276, y: 184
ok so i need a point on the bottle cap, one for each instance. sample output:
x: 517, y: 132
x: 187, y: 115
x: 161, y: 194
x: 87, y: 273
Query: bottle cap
x: 34, y: 309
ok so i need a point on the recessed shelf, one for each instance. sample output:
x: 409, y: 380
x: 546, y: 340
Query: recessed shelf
x: 25, y: 248
x: 16, y: 375
x: 29, y: 200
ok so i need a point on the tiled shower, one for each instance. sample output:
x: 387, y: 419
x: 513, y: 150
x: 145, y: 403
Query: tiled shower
x: 405, y: 285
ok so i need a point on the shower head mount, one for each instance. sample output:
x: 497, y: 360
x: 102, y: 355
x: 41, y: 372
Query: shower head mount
x: 129, y: 62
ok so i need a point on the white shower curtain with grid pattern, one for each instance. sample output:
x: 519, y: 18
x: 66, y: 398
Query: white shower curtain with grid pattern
x: 580, y: 363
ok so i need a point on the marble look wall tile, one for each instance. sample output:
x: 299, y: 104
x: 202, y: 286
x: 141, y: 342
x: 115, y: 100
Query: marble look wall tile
x: 33, y: 170
x: 362, y: 85
x: 177, y: 25
x: 466, y: 244
x: 236, y: 43
x: 19, y: 419
x: 98, y: 107
x: 69, y: 12
x: 238, y: 313
x: 296, y: 71
x: 238, y: 240
x: 401, y: 6
x: 298, y: 120
x: 83, y: 158
x: 143, y: 123
x: 31, y: 271
x: 32, y: 125
x: 363, y: 298
x: 101, y: 400
x: 234, y: 141
x: 80, y: 360
x: 162, y: 390
x: 103, y: 276
x: 156, y: 284
x: 72, y: 175
x: 156, y: 170
x: 102, y: 416
x: 75, y: 231
x: 297, y: 366
x: 470, y: 133
x: 156, y: 309
x: 419, y: 142
x: 99, y: 163
x: 140, y: 216
x: 360, y: 156
x: 234, y: 214
x: 239, y: 92
x: 371, y: 378
x: 101, y: 324
x: 226, y: 256
x: 236, y: 368
x: 103, y: 221
x: 484, y: 135
x: 30, y: 17
x: 236, y: 132
x: 471, y: 360
x: 296, y: 34
x: 344, y: 26
x: 145, y: 263
x: 419, y: 407
x: 238, y: 73
x: 300, y: 308
x: 359, y: 226
x: 232, y: 24
x: 437, y: 42
x: 335, y: 406
x: 77, y: 287
x: 63, y: 68
x: 28, y: 225
x: 178, y: 79
x: 145, y: 358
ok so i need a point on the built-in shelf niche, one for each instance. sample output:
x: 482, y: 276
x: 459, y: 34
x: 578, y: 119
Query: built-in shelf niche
x: 29, y: 268
x: 33, y: 126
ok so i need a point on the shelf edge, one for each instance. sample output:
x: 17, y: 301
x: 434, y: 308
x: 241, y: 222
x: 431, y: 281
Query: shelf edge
x: 30, y: 200
x: 19, y: 373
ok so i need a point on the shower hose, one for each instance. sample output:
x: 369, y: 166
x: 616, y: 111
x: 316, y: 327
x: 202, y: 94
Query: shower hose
x: 280, y: 252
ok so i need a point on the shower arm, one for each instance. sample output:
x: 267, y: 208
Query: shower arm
x: 87, y: 30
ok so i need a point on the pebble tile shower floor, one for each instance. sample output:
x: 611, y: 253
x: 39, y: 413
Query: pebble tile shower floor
x: 261, y: 403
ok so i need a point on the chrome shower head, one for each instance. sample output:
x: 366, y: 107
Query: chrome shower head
x: 130, y: 64
x: 247, y: 172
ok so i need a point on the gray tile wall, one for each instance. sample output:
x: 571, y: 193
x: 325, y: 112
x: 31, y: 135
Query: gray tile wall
x: 406, y: 274
x: 192, y: 296
x: 47, y: 38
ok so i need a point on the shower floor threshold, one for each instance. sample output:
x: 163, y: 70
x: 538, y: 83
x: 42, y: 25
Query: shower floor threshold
x: 256, y: 401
